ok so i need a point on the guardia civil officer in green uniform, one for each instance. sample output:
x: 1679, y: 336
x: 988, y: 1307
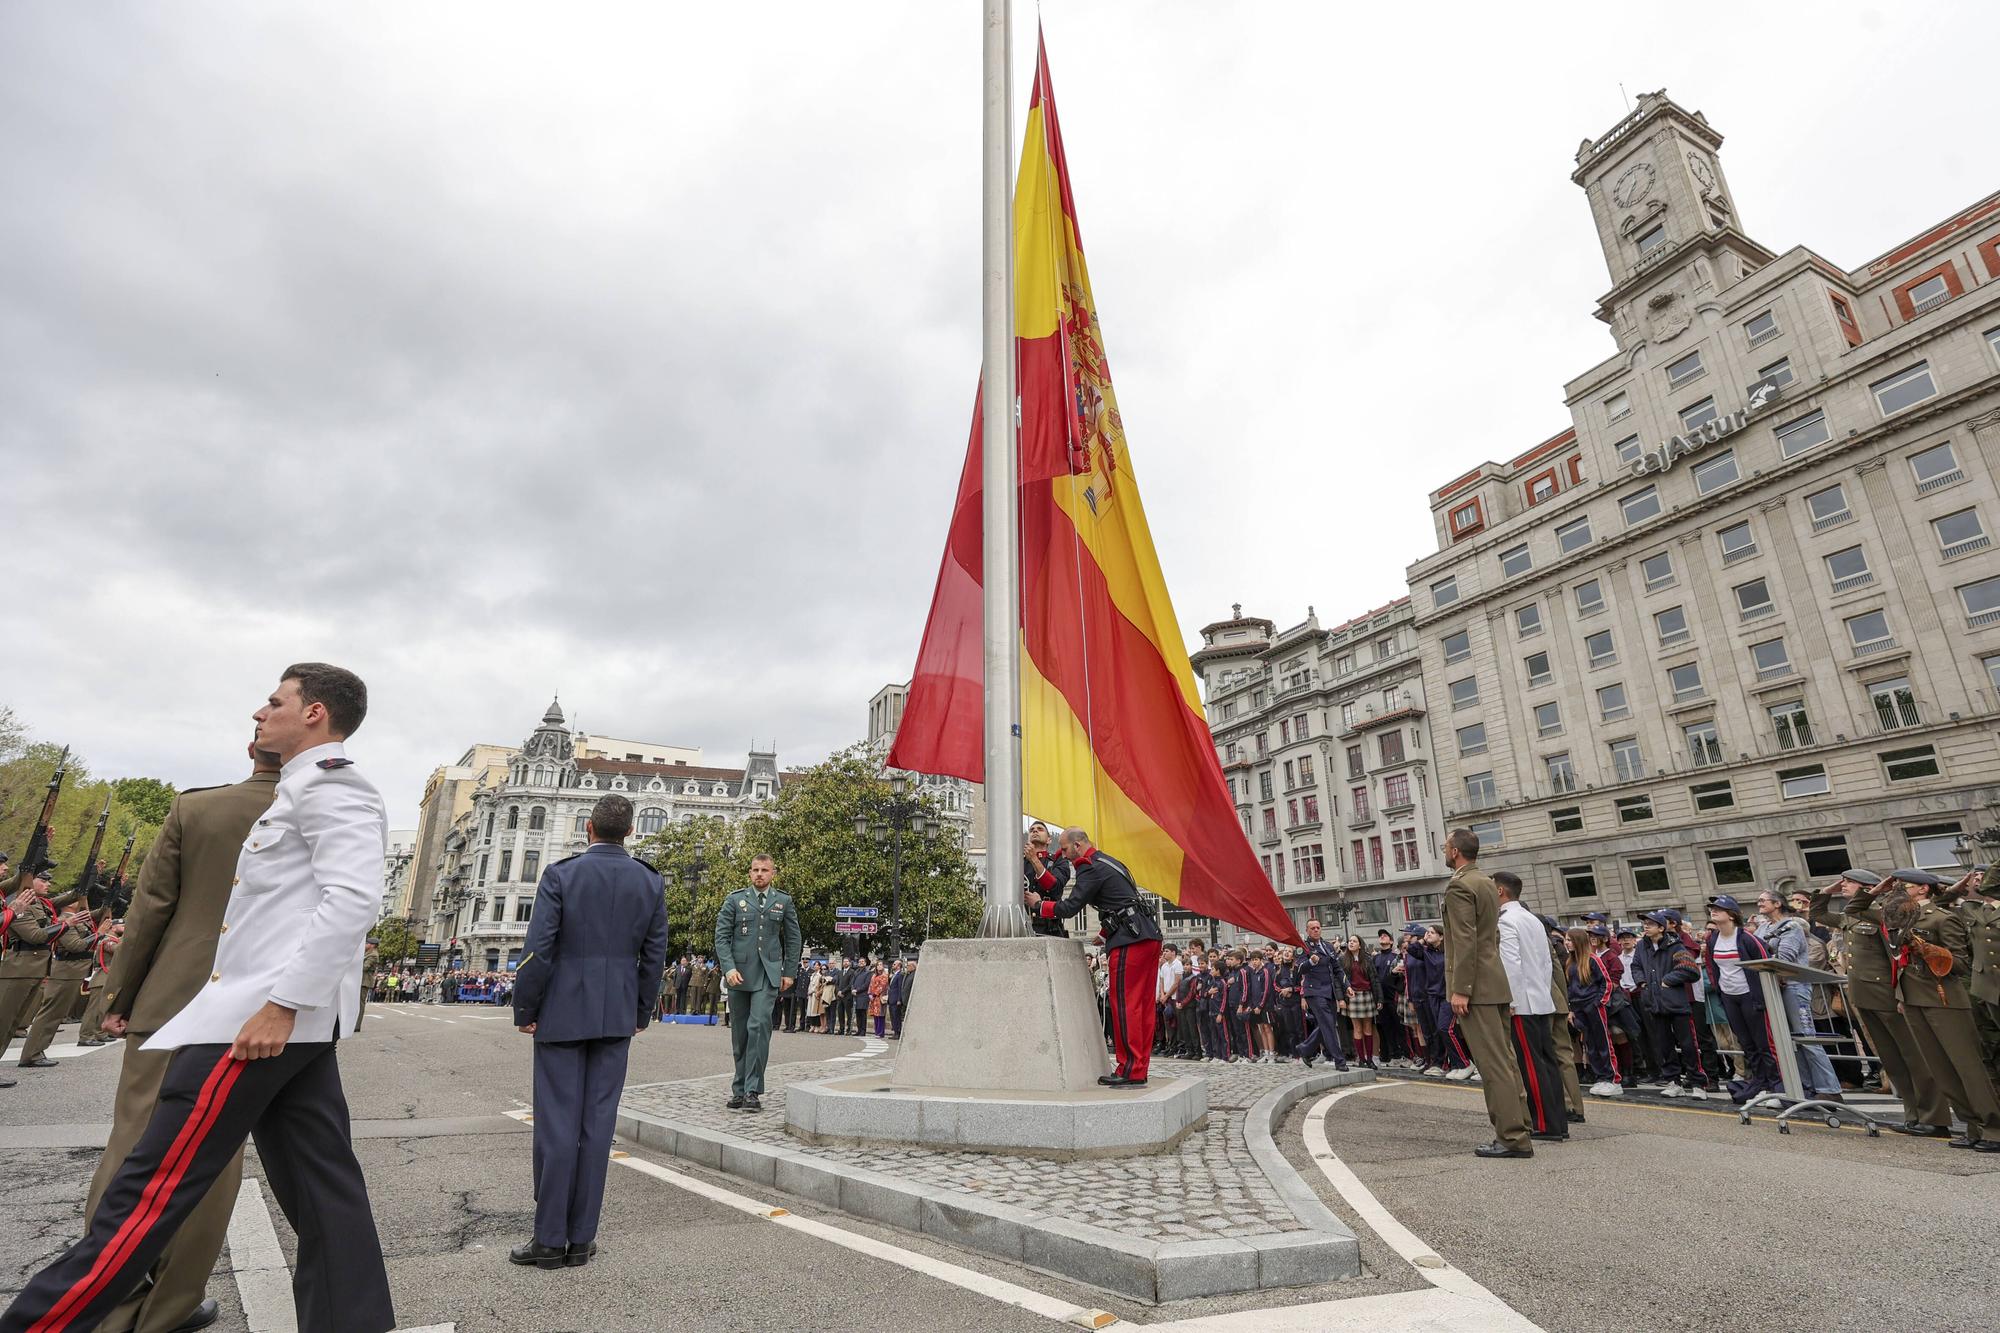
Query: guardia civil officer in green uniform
x: 757, y: 948
x: 1871, y: 995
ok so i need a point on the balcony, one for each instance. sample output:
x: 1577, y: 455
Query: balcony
x: 1940, y: 481
x: 1825, y: 521
x: 1876, y: 646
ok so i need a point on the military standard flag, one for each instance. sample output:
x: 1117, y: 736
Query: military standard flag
x: 1113, y: 736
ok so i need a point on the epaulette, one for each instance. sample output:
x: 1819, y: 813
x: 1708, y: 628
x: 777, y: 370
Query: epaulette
x: 190, y: 791
x: 335, y: 761
x: 566, y: 860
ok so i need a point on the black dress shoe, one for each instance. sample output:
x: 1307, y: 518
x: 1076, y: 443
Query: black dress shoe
x: 576, y: 1256
x: 6, y: 1082
x: 1499, y: 1149
x: 94, y: 1041
x: 1574, y: 1117
x: 538, y: 1254
x: 1918, y: 1130
x: 753, y: 1102
x: 39, y: 1062
x: 1987, y: 1145
x: 1962, y: 1141
x: 1550, y: 1138
x: 1109, y: 1080
x: 736, y: 1103
x: 201, y: 1317
x: 1306, y: 1060
x: 1120, y: 1081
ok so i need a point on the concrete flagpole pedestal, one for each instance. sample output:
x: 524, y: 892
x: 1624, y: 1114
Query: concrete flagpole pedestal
x: 1001, y: 1052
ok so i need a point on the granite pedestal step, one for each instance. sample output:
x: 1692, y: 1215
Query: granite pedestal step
x: 1066, y: 1126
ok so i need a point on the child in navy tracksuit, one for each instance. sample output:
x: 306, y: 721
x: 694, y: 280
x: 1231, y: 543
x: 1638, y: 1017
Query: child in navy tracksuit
x: 1590, y: 1003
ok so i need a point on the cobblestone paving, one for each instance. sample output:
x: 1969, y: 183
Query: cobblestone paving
x: 1208, y: 1187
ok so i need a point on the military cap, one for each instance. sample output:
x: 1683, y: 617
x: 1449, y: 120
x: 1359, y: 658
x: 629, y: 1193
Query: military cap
x: 1923, y: 877
x: 1867, y: 877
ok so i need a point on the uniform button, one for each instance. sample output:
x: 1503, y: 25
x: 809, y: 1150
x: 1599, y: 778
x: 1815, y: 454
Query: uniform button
x: 225, y: 927
x: 235, y: 881
x: 215, y: 976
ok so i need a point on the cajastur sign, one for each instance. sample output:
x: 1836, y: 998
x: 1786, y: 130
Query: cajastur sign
x: 1762, y: 395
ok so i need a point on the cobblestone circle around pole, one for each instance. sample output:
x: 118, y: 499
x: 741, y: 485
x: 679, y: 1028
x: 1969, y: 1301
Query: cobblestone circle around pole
x: 1209, y: 1187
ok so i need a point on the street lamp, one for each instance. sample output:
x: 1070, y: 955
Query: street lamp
x: 886, y: 825
x: 1340, y: 905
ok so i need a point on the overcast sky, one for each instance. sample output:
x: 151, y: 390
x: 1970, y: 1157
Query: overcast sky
x: 627, y: 351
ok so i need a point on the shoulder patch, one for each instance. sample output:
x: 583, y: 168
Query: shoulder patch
x: 337, y: 761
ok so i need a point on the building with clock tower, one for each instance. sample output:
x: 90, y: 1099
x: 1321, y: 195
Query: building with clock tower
x: 1736, y: 623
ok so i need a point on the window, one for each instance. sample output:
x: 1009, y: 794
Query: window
x: 1649, y: 874
x: 1457, y: 647
x: 1403, y: 848
x: 1634, y: 809
x: 1959, y: 533
x: 1712, y: 474
x: 1790, y: 724
x: 1271, y: 821
x: 1730, y: 866
x: 1464, y: 693
x: 1355, y: 763
x: 1573, y: 536
x: 1931, y: 846
x: 1528, y: 620
x: 1488, y: 833
x: 1824, y: 857
x: 1993, y: 340
x: 482, y: 867
x: 1672, y: 625
x: 1652, y: 238
x: 1600, y: 648
x: 1696, y: 415
x: 1905, y: 388
x: 1589, y: 598
x: 1578, y: 881
x: 1264, y: 785
x: 1562, y: 775
x: 489, y: 823
x: 1640, y: 505
x: 1548, y: 719
x: 1761, y: 328
x: 1348, y: 712
x: 1618, y: 406
x: 1778, y: 374
x: 1515, y: 561
x: 1685, y: 681
x: 506, y: 866
x: 1359, y: 796
x: 1444, y: 592
x: 1681, y: 371
x: 1626, y: 761
x: 1992, y: 665
x: 1311, y: 810
x: 1713, y: 795
x: 1828, y: 508
x: 1569, y: 819
x: 1869, y: 633
x: 578, y: 826
x: 1539, y: 672
x: 1934, y: 467
x: 1472, y: 739
x: 1770, y: 659
x: 1809, y: 781
x: 531, y: 867
x: 1305, y: 770
x: 1795, y: 437
x: 1737, y: 542
x: 1981, y: 601
x: 1611, y: 705
x: 1542, y: 488
x: 1628, y: 450
x: 513, y: 816
x: 1423, y: 907
x: 1849, y: 569
x: 1894, y: 702
x: 651, y: 820
x: 1391, y: 744
x: 1917, y: 762
x: 1479, y: 790
x: 1704, y: 743
x: 1263, y: 747
x: 1753, y: 599
x: 523, y: 908
x: 1658, y: 570
x: 1466, y: 518
x: 1395, y: 791
x: 1931, y: 291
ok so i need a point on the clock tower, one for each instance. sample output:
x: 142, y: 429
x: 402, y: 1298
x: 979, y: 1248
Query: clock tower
x: 1666, y: 219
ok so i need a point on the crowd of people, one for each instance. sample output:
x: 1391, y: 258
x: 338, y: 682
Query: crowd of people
x: 838, y: 997
x: 404, y: 986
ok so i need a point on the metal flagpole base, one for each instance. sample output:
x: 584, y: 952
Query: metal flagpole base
x: 1004, y: 921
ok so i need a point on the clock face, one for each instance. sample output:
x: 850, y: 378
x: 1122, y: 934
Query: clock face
x: 1699, y: 166
x: 1633, y: 186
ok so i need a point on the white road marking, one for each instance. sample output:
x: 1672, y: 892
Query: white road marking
x: 1426, y: 1310
x: 993, y: 1288
x: 61, y: 1050
x: 392, y: 1009
x: 1432, y: 1268
x: 263, y: 1281
x: 870, y: 1048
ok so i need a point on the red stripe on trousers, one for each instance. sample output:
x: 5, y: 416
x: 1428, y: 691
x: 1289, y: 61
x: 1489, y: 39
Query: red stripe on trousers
x: 1694, y: 1040
x: 153, y: 1200
x: 1137, y: 1001
x: 1114, y: 1004
x: 1534, y: 1083
x: 1604, y: 1020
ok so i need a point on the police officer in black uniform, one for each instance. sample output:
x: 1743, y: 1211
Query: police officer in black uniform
x: 1131, y: 940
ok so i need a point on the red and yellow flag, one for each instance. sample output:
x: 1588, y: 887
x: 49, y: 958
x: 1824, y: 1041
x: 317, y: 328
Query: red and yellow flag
x: 1113, y: 737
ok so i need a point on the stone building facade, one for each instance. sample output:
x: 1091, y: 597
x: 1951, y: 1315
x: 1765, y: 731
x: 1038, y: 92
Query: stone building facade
x: 962, y: 804
x: 1738, y: 624
x: 1325, y: 741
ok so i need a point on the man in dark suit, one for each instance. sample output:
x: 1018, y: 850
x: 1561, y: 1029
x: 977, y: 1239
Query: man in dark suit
x: 595, y: 955
x: 1322, y: 979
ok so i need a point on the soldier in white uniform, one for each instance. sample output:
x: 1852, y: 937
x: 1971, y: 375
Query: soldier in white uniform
x: 254, y: 1050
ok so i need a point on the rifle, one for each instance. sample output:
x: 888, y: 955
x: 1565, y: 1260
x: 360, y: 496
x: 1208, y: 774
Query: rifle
x: 36, y: 858
x: 87, y: 889
x: 121, y: 896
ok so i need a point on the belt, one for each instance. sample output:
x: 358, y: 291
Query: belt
x: 72, y: 957
x: 27, y: 948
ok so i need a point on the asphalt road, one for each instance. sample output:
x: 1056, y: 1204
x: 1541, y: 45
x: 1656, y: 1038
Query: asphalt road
x: 1657, y: 1218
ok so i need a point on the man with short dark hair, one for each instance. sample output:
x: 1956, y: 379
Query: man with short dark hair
x: 1480, y: 995
x: 1131, y: 940
x: 757, y: 946
x: 591, y: 967
x: 1524, y: 953
x: 1322, y: 978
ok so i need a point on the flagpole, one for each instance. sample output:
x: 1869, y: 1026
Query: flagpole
x: 1000, y: 570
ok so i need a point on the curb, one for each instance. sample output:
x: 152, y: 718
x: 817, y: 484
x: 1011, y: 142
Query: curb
x: 1148, y: 1271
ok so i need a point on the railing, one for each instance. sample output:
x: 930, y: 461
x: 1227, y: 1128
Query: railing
x: 1942, y: 479
x: 1967, y: 546
x: 1979, y: 618
x: 1628, y: 770
x: 1897, y: 711
x: 1877, y: 646
x: 1794, y: 736
x: 1740, y: 553
x: 1833, y: 520
x: 1775, y: 672
x: 1853, y: 581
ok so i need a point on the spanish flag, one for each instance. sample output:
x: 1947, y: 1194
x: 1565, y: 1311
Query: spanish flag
x: 1113, y: 737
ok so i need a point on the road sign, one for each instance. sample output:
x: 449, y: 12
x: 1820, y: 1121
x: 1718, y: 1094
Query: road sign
x: 864, y: 913
x: 854, y: 927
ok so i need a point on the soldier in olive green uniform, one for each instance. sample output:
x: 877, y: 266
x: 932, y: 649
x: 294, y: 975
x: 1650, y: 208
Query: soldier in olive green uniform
x: 757, y: 949
x: 31, y: 924
x: 72, y: 951
x: 1560, y: 1039
x: 1871, y: 995
x: 92, y: 1033
x: 1481, y: 996
x: 1981, y: 912
x: 1933, y: 959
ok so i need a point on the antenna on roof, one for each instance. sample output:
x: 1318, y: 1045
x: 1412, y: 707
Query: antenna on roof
x: 1627, y: 96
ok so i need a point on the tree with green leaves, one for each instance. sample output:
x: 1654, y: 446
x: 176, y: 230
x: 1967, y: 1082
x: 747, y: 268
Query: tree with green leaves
x: 700, y: 861
x: 148, y: 799
x: 24, y: 777
x: 395, y: 942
